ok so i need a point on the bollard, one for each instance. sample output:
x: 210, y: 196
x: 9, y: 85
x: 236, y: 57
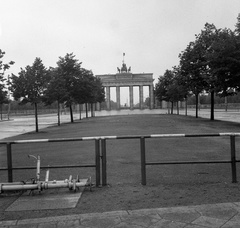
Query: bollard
x: 97, y: 161
x: 143, y: 160
x: 233, y: 159
x: 104, y: 163
x: 9, y: 162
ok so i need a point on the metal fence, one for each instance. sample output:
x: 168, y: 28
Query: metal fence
x: 95, y: 164
x: 101, y: 154
x: 143, y: 152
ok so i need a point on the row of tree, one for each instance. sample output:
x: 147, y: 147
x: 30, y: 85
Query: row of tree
x: 67, y: 83
x: 209, y: 64
x: 3, y: 81
x: 205, y: 99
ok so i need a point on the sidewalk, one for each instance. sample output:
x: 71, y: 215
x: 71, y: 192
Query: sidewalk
x: 209, y: 215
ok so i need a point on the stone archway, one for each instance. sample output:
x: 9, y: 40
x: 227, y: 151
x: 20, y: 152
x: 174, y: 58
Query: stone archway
x: 124, y: 78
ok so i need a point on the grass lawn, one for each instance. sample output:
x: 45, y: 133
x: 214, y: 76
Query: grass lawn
x: 167, y: 185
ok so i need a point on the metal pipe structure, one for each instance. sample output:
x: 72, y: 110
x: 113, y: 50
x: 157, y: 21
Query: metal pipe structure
x: 38, y: 165
x: 43, y: 185
x: 70, y: 183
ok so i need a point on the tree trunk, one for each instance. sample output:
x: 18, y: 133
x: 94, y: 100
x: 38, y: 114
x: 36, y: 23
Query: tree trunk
x: 172, y: 107
x: 9, y: 108
x: 199, y: 103
x: 212, y: 105
x: 177, y: 108
x: 80, y: 111
x: 196, y: 95
x: 1, y: 112
x: 92, y: 115
x: 86, y: 105
x: 71, y: 113
x: 36, y: 116
x: 58, y: 112
x: 186, y: 107
x: 226, y: 104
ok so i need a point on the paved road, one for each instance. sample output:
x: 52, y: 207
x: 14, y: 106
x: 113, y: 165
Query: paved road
x: 24, y: 124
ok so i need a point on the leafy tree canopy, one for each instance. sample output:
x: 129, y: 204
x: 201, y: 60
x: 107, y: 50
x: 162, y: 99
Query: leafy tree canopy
x: 168, y: 87
x: 3, y: 68
x: 30, y: 83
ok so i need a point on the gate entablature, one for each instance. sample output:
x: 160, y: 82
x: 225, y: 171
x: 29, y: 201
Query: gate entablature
x: 127, y: 79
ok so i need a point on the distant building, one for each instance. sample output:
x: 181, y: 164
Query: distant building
x: 125, y: 78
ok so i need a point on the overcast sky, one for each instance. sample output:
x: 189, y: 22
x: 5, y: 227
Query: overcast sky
x: 151, y: 33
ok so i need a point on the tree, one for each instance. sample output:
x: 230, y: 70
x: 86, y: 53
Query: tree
x: 211, y: 63
x: 195, y: 65
x: 3, y: 93
x: 237, y: 29
x: 96, y: 91
x: 162, y: 86
x: 222, y: 66
x: 56, y: 91
x: 3, y: 100
x: 87, y: 88
x: 190, y: 69
x: 169, y: 89
x: 30, y: 85
x: 69, y: 70
x: 223, y: 57
x: 217, y: 62
x: 70, y: 83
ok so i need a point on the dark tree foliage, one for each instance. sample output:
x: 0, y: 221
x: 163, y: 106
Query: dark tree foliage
x: 237, y: 29
x: 224, y: 62
x: 194, y: 65
x: 30, y: 85
x: 3, y: 80
x: 69, y: 71
x: 56, y: 91
x: 169, y: 89
x: 211, y: 64
x: 70, y: 83
x: 161, y: 87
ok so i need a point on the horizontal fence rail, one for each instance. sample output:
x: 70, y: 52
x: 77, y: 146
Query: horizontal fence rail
x: 101, y: 153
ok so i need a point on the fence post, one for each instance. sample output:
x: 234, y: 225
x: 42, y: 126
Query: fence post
x: 104, y: 163
x: 143, y: 160
x: 233, y: 159
x: 97, y: 161
x: 9, y: 162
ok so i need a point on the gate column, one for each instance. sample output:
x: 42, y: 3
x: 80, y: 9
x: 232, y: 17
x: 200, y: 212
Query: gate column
x: 108, y: 97
x: 131, y: 96
x: 151, y: 97
x: 118, y: 96
x: 141, y: 96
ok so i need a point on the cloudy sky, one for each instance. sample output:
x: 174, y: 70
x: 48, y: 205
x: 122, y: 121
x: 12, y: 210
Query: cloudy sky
x: 151, y: 33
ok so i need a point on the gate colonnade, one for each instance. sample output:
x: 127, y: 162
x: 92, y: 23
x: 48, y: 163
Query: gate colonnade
x: 124, y: 78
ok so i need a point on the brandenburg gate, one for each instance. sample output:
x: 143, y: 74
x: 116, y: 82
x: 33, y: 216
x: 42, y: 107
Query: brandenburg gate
x: 124, y: 78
